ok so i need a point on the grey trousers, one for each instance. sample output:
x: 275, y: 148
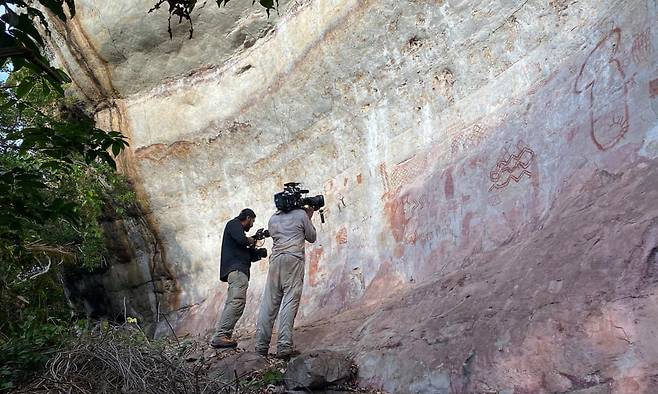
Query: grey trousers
x: 236, y: 298
x: 283, y: 291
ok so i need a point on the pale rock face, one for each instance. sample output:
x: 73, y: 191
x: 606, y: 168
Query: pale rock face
x: 137, y: 49
x: 490, y: 172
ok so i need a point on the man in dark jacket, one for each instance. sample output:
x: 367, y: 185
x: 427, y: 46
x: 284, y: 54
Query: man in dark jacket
x: 234, y: 268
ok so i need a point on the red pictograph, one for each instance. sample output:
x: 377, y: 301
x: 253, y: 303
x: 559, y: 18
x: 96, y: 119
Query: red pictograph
x: 383, y: 173
x: 404, y: 173
x: 641, y: 47
x: 608, y: 97
x: 468, y: 139
x: 408, y: 170
x: 653, y: 88
x: 512, y: 167
x: 413, y: 205
x: 341, y: 236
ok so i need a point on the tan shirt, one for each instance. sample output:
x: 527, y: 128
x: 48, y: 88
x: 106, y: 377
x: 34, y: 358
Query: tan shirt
x: 289, y: 231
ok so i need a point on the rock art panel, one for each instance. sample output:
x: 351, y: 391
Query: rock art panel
x: 512, y: 166
x: 653, y: 88
x: 641, y: 50
x: 603, y: 81
x: 468, y: 139
x: 465, y: 153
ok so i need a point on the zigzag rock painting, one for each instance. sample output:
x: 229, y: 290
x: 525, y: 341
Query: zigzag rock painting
x: 512, y: 166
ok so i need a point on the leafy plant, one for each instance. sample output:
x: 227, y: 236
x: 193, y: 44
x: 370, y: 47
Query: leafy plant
x: 22, y: 43
x: 22, y: 354
x: 57, y: 180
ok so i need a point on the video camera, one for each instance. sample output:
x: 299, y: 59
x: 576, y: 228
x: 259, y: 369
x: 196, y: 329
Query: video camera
x: 259, y: 253
x: 261, y: 234
x: 292, y: 197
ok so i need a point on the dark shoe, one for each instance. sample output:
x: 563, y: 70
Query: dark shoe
x: 222, y: 342
x: 287, y: 355
x: 263, y: 353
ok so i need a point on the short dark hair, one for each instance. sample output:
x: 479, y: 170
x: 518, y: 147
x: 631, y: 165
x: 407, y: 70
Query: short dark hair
x: 246, y: 213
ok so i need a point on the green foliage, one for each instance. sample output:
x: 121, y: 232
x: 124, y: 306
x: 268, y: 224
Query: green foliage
x: 272, y: 376
x: 21, y: 41
x: 29, y: 350
x: 30, y: 286
x: 259, y: 381
x: 57, y: 181
x: 55, y: 169
x: 53, y: 193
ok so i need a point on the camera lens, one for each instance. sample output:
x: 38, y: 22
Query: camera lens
x: 316, y: 202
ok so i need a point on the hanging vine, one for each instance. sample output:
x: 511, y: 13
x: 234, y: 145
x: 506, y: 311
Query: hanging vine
x: 183, y: 10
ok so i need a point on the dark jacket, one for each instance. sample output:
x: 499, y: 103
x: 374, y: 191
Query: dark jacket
x: 236, y: 254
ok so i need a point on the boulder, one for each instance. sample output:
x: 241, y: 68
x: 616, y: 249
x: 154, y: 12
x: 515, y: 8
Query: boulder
x: 241, y: 364
x: 317, y: 369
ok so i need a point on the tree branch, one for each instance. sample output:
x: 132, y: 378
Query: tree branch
x: 33, y: 58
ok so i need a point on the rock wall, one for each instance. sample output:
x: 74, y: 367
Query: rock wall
x: 491, y: 166
x: 135, y: 281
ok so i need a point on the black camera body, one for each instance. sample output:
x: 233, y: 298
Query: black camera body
x: 261, y: 234
x: 292, y: 197
x: 259, y: 253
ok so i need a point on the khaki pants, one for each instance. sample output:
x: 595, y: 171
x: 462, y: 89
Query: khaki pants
x: 283, y: 291
x: 236, y: 298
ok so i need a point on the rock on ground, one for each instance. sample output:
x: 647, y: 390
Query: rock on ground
x: 240, y: 364
x: 317, y: 369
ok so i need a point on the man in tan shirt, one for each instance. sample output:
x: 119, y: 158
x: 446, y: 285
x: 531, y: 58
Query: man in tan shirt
x: 285, y: 278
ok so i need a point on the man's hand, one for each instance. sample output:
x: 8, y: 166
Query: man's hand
x: 309, y: 212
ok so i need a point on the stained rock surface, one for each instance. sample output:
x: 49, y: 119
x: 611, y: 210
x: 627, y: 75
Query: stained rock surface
x: 490, y: 173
